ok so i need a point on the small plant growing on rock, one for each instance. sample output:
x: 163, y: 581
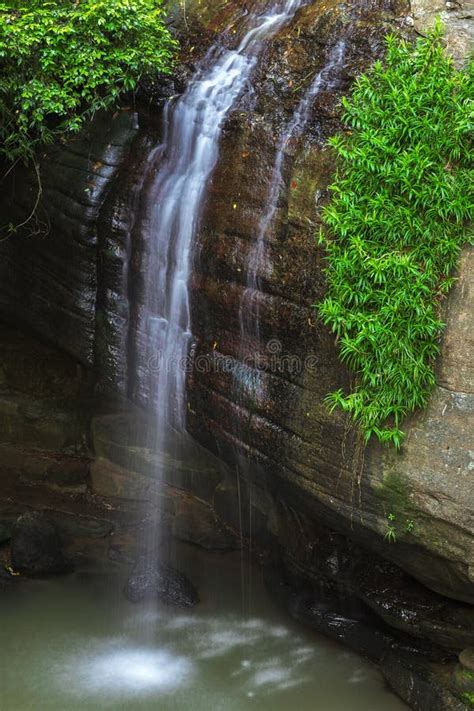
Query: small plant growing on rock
x: 395, y: 226
x: 468, y: 698
x: 409, y: 525
x: 391, y: 531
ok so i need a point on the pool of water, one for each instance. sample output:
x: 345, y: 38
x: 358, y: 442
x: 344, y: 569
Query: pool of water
x: 72, y: 643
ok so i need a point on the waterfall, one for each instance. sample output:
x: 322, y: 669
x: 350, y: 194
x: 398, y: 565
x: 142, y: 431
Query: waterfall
x: 247, y: 378
x: 184, y: 163
x: 323, y: 81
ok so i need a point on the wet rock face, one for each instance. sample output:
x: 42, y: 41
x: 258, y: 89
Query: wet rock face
x: 150, y: 579
x: 197, y: 523
x: 422, y: 686
x: 49, y: 269
x: 274, y: 418
x: 422, y: 673
x: 44, y: 403
x: 326, y: 559
x: 36, y: 546
x: 81, y: 287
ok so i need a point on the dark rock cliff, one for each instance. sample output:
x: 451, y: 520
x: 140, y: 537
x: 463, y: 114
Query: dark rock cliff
x: 74, y: 276
x: 50, y: 267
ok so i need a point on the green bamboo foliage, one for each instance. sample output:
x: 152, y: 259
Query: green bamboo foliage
x: 395, y: 225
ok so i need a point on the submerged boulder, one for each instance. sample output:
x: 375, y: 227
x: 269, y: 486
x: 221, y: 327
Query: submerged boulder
x: 36, y: 546
x: 150, y: 579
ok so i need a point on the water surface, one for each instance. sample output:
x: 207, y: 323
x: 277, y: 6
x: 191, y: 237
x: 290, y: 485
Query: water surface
x: 73, y: 643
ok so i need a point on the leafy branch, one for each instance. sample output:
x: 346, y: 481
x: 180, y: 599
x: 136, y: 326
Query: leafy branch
x: 395, y: 225
x: 62, y: 61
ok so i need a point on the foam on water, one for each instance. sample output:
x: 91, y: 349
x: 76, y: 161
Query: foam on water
x: 65, y: 646
x: 121, y: 669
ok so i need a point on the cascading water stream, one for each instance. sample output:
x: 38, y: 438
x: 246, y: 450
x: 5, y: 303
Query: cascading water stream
x: 188, y: 156
x: 250, y: 304
x: 180, y: 169
x: 247, y: 378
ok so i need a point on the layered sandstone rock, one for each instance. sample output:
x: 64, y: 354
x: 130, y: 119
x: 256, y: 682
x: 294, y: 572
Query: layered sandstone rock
x: 80, y: 286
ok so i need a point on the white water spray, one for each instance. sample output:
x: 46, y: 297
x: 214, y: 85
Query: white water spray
x: 188, y: 156
x: 323, y: 81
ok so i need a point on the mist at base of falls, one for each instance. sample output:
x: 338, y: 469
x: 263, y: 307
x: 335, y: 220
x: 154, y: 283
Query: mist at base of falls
x: 75, y: 643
